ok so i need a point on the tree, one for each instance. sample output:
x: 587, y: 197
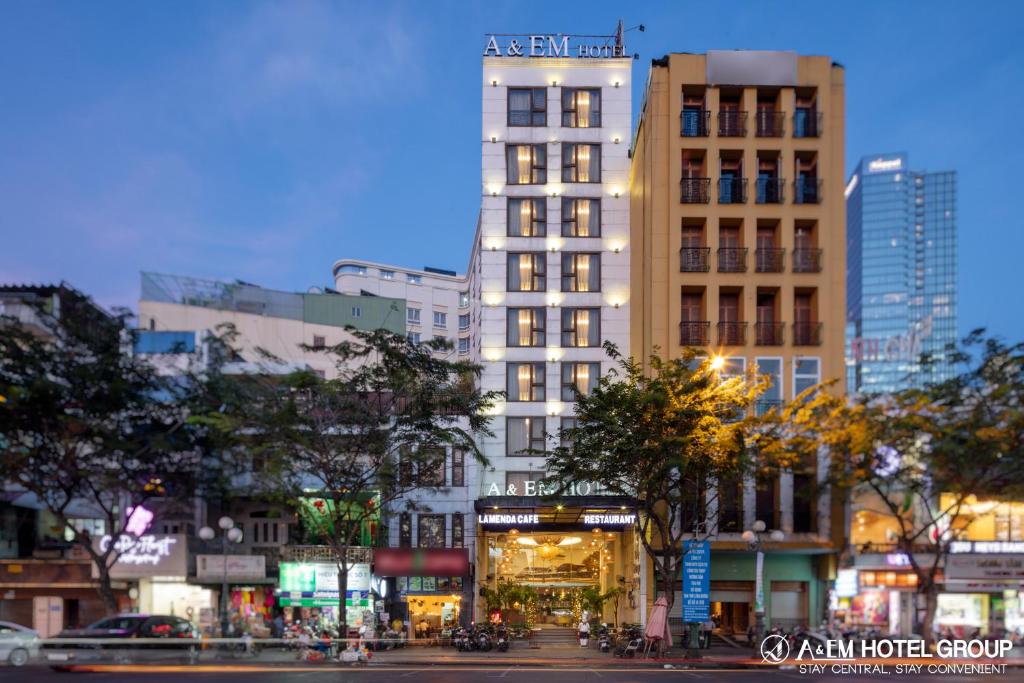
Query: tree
x: 348, y: 450
x: 922, y: 457
x: 661, y: 438
x: 90, y: 430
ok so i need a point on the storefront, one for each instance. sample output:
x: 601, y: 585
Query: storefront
x: 250, y: 593
x: 983, y: 581
x: 795, y: 589
x: 309, y: 592
x: 156, y: 568
x: 542, y: 562
x: 879, y: 593
x: 431, y: 589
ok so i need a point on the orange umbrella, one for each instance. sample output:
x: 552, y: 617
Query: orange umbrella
x: 657, y: 623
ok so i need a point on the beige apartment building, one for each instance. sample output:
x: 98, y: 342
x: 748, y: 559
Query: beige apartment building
x: 738, y: 247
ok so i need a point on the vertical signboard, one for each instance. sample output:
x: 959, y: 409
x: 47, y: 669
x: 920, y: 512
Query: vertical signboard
x: 696, y: 581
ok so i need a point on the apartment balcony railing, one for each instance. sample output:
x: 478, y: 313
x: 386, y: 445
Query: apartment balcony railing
x: 763, y: 405
x: 694, y: 259
x: 694, y: 123
x: 694, y: 332
x: 768, y: 333
x: 732, y: 124
x: 806, y: 334
x: 769, y: 123
x: 769, y: 260
x: 807, y: 260
x: 732, y: 190
x: 732, y: 333
x: 807, y: 190
x: 806, y: 123
x: 732, y: 260
x: 694, y: 190
x: 770, y: 190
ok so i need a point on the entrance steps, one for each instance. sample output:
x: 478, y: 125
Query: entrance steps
x: 554, y: 637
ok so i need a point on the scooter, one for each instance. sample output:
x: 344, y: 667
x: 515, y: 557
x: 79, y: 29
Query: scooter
x: 604, y: 640
x: 634, y: 641
x: 502, y: 638
x: 483, y: 640
x: 585, y: 637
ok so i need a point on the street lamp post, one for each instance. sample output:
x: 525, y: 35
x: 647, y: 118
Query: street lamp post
x: 232, y: 534
x: 755, y: 538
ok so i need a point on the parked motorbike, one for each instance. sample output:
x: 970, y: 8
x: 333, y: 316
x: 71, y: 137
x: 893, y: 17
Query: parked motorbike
x: 604, y: 639
x: 502, y: 638
x: 483, y: 640
x: 632, y: 641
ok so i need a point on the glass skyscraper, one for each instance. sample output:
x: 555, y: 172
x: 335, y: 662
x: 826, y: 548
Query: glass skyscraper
x: 901, y: 275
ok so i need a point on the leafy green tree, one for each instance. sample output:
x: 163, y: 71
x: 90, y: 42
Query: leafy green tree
x: 919, y: 458
x: 87, y: 428
x: 662, y: 437
x: 351, y: 449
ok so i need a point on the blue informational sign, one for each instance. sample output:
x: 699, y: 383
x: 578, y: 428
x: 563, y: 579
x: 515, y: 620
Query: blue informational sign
x: 696, y: 581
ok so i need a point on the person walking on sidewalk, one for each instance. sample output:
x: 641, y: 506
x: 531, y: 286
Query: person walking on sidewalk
x: 706, y: 628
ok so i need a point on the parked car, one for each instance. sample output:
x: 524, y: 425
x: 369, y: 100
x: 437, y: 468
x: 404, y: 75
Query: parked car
x: 18, y: 644
x: 110, y: 640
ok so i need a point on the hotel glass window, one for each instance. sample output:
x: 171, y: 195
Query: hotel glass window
x: 464, y: 321
x: 414, y: 279
x: 524, y: 434
x: 458, y: 468
x: 527, y: 217
x: 566, y: 424
x: 806, y: 373
x: 359, y: 270
x: 387, y: 275
x: 414, y: 337
x: 579, y: 378
x: 527, y: 107
x: 526, y: 272
x: 581, y: 107
x: 357, y: 312
x: 581, y: 163
x: 581, y: 272
x: 772, y: 396
x: 526, y: 326
x: 319, y: 341
x: 458, y: 530
x: 463, y: 299
x: 440, y: 319
x: 430, y: 468
x: 412, y: 315
x: 464, y: 345
x: 431, y: 531
x: 525, y: 381
x: 526, y: 164
x: 581, y: 217
x: 581, y: 327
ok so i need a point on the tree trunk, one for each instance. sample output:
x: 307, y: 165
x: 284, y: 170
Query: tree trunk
x: 931, y: 595
x: 342, y: 597
x: 103, y: 587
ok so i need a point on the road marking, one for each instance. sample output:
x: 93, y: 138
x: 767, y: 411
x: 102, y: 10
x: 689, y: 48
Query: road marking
x: 595, y: 671
x: 410, y: 673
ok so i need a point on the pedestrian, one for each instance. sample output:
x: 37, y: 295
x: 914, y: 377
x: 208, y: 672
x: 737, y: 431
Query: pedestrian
x: 706, y: 628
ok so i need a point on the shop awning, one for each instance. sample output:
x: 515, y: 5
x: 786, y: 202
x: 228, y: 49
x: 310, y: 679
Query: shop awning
x: 543, y: 514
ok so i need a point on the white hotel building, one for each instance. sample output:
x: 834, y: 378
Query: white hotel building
x: 546, y: 285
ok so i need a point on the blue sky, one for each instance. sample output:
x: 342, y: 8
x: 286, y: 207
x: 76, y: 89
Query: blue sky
x: 264, y: 140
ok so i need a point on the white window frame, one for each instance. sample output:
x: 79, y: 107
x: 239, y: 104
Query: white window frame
x: 782, y: 372
x: 442, y: 322
x: 800, y: 358
x: 387, y: 275
x: 357, y: 312
x: 409, y: 317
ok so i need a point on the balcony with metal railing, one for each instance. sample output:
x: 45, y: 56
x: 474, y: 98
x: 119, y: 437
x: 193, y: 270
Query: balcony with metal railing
x: 694, y: 332
x: 694, y: 259
x: 694, y: 123
x: 694, y: 190
x: 769, y: 123
x: 732, y: 190
x: 769, y: 260
x: 732, y: 124
x: 807, y: 334
x: 770, y: 190
x: 806, y: 123
x: 807, y: 260
x: 768, y: 333
x: 732, y: 260
x: 732, y: 333
x: 807, y: 190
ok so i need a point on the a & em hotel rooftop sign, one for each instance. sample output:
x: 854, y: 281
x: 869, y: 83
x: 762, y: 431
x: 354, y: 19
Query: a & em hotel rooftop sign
x: 554, y: 45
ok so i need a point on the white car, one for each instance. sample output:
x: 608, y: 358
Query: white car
x: 18, y: 644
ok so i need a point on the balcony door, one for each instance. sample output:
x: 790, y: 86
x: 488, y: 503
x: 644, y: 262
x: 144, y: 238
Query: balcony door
x: 692, y: 307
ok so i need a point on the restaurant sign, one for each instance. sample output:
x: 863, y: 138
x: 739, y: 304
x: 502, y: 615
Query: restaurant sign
x: 554, y: 45
x: 144, y: 556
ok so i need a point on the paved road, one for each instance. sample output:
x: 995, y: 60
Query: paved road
x: 471, y: 674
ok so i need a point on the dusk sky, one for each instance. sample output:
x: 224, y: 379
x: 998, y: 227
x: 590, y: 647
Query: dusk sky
x: 262, y: 140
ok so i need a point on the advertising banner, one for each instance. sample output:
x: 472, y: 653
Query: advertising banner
x: 145, y: 556
x: 696, y: 581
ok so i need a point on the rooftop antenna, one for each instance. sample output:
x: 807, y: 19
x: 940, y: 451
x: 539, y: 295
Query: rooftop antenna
x: 619, y: 32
